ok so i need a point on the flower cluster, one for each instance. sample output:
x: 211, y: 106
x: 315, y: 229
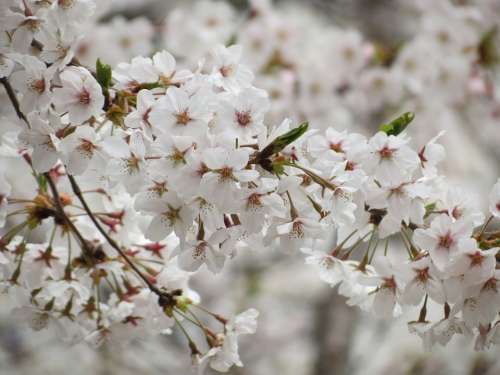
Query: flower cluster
x: 123, y: 182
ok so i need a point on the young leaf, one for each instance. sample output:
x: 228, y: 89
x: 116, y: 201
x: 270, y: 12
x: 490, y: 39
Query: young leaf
x: 103, y: 75
x: 396, y: 126
x: 282, y: 141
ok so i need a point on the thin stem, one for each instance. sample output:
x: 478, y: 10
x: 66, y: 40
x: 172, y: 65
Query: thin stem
x: 13, y: 99
x: 316, y: 178
x: 485, y: 226
x: 111, y: 241
x: 192, y: 345
x: 62, y: 214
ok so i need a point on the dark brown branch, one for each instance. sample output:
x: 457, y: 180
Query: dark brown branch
x: 111, y: 241
x: 13, y: 99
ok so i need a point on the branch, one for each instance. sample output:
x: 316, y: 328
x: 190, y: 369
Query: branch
x: 13, y: 99
x: 111, y: 241
x: 60, y: 210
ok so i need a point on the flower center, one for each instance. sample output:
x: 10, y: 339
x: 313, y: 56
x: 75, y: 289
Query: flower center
x: 226, y: 70
x: 226, y: 173
x: 177, y: 157
x: 389, y: 283
x: 337, y: 147
x: 183, y: 118
x: 84, y: 97
x: 199, y: 250
x: 422, y: 274
x: 38, y: 86
x: 159, y: 188
x: 202, y: 169
x: 350, y: 166
x: 476, y: 259
x: 386, y: 152
x: 446, y: 241
x: 86, y: 147
x: 253, y: 201
x: 132, y: 164
x: 243, y: 118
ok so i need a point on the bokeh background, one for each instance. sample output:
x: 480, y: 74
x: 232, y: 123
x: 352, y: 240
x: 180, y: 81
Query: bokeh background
x: 350, y: 64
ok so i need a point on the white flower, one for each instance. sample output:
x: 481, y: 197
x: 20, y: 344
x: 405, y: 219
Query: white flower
x: 475, y: 264
x: 431, y: 154
x: 391, y: 158
x: 195, y: 253
x: 244, y: 323
x: 139, y: 118
x: 42, y: 137
x: 331, y: 269
x: 81, y: 96
x: 180, y: 114
x: 228, y: 73
x: 421, y: 278
x: 389, y: 285
x: 33, y: 82
x: 226, y: 169
x: 171, y: 215
x: 84, y: 145
x: 442, y: 239
x: 243, y: 114
x: 164, y: 63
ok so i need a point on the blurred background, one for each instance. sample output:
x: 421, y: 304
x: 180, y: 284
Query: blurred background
x: 350, y: 64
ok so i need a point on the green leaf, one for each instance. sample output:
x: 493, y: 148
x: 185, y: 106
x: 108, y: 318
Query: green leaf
x: 396, y: 126
x: 282, y: 141
x: 103, y: 74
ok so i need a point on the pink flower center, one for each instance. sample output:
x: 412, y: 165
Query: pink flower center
x: 386, y: 152
x: 389, y: 283
x: 476, y: 259
x: 253, y: 201
x: 446, y: 241
x: 84, y: 97
x: 337, y: 147
x: 422, y: 274
x: 243, y: 118
x: 38, y: 86
x: 226, y: 71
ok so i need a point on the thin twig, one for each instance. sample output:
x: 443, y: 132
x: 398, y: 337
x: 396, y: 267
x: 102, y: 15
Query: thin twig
x: 13, y: 99
x: 67, y: 220
x: 111, y: 241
